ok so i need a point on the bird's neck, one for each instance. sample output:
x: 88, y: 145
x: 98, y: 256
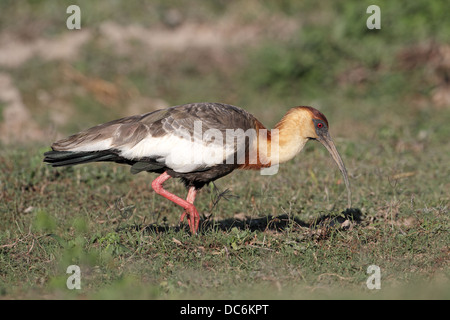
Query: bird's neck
x: 278, y: 145
x: 290, y: 142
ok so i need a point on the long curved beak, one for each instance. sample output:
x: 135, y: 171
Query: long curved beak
x: 325, y: 139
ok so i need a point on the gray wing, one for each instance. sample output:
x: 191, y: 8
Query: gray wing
x: 165, y: 136
x: 211, y: 116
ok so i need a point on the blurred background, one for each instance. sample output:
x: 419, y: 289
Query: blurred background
x: 131, y: 57
x: 386, y: 94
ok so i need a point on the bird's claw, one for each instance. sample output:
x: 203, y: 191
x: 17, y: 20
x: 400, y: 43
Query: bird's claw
x: 193, y: 219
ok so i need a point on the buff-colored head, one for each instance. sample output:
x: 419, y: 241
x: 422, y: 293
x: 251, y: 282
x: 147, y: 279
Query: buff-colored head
x: 307, y: 123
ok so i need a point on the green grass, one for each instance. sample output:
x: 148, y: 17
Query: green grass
x: 123, y: 236
x: 269, y: 237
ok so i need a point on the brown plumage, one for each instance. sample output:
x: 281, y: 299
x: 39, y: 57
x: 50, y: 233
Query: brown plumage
x: 197, y: 143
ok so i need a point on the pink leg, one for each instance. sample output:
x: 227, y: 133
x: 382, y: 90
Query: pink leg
x: 190, y: 210
x: 191, y: 195
x: 190, y: 198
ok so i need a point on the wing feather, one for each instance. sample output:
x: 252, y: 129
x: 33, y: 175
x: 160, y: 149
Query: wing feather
x: 168, y: 137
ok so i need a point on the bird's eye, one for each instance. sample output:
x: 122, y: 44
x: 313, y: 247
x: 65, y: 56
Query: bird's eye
x: 319, y: 125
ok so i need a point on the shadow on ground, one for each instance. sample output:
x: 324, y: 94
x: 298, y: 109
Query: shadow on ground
x: 347, y: 218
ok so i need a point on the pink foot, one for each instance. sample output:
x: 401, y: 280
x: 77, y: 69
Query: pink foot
x: 189, y: 209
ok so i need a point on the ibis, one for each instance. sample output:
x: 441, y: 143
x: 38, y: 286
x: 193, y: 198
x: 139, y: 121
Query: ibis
x: 197, y: 143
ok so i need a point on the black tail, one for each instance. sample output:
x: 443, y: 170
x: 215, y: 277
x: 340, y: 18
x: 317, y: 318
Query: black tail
x: 70, y: 158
